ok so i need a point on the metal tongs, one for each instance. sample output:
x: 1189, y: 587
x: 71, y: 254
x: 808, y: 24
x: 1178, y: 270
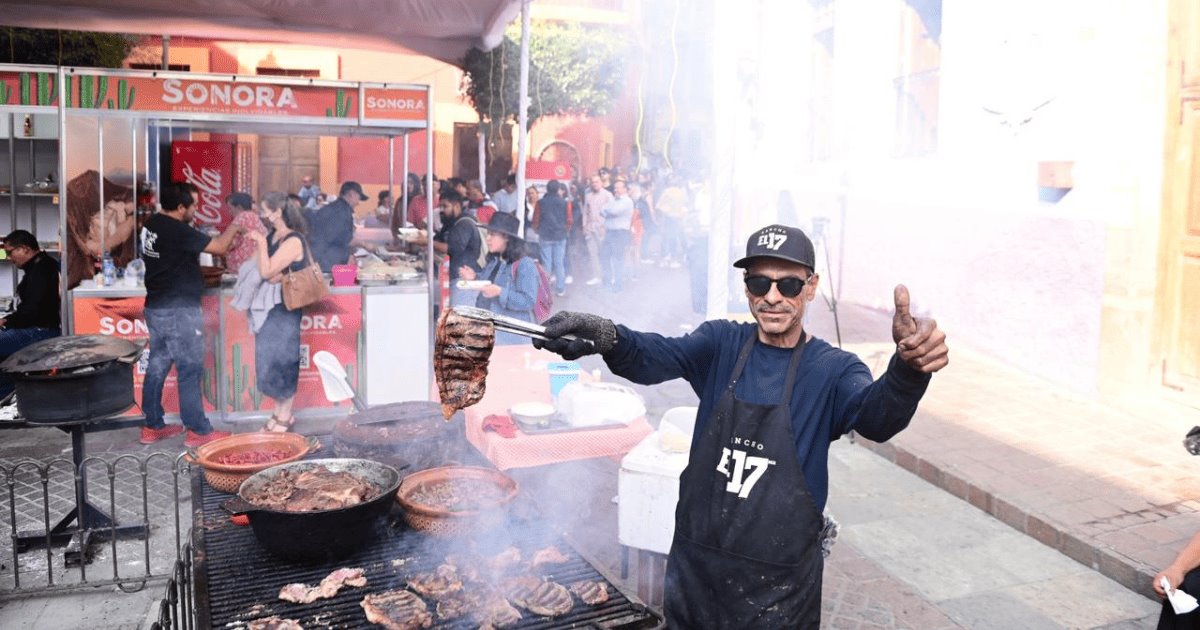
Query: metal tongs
x: 510, y: 324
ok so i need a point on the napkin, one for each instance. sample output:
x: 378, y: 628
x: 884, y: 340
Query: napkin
x: 1180, y: 601
x: 503, y: 425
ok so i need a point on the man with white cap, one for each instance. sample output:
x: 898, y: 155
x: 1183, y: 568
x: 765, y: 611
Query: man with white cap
x: 747, y: 547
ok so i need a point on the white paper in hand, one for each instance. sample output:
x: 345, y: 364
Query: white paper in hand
x: 1181, y: 602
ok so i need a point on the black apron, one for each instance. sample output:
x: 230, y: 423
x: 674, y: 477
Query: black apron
x: 747, y: 551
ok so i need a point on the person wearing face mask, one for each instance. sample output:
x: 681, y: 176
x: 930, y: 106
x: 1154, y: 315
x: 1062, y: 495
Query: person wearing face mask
x: 747, y: 551
x: 277, y: 339
x: 171, y: 249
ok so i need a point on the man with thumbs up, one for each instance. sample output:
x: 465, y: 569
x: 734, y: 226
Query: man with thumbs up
x: 747, y: 548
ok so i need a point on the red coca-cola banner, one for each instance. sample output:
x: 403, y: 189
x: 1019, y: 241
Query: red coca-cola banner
x: 209, y: 166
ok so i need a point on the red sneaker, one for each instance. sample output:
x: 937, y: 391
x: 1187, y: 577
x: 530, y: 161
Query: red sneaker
x: 195, y: 439
x: 150, y: 436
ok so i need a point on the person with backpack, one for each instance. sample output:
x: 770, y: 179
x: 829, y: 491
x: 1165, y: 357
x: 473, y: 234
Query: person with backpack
x: 514, y: 278
x: 460, y: 240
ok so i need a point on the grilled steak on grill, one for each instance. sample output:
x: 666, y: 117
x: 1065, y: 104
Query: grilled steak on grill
x: 274, y: 623
x: 590, y: 593
x: 496, y: 613
x: 397, y: 610
x: 438, y: 585
x: 548, y: 555
x: 548, y: 599
x: 505, y: 560
x: 460, y: 359
x: 305, y: 594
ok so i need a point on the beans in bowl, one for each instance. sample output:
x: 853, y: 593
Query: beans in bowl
x: 254, y: 457
x: 458, y: 495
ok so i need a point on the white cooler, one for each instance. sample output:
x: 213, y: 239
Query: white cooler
x: 648, y: 484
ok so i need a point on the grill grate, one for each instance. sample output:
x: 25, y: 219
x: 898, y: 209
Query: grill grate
x: 238, y: 581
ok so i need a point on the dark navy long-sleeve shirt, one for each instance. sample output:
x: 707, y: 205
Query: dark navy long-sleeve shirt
x: 834, y: 392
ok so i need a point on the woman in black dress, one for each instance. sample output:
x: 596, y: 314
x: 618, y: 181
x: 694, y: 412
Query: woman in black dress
x: 277, y: 343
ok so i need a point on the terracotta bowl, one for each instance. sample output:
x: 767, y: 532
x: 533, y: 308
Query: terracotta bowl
x: 440, y: 521
x: 229, y: 477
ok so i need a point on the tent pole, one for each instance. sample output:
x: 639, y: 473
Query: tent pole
x: 482, y: 138
x: 523, y: 117
x: 166, y: 52
x: 407, y: 194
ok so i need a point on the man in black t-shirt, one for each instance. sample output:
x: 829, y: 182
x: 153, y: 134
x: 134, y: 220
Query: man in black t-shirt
x: 38, y: 301
x: 172, y: 248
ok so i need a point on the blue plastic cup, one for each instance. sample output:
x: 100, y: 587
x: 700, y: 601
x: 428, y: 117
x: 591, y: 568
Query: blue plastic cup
x: 561, y: 373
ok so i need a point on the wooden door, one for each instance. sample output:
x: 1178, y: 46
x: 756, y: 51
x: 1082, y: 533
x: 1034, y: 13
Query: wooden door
x: 1180, y: 289
x: 284, y: 160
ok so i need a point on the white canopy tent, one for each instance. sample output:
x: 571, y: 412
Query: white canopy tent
x: 443, y: 29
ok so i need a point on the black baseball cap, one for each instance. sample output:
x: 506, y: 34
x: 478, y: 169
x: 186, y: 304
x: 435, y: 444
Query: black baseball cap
x: 782, y: 242
x: 356, y: 187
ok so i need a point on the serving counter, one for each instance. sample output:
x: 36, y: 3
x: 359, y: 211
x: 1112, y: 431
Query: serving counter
x: 381, y: 334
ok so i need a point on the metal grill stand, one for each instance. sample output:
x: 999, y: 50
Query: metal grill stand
x: 91, y: 521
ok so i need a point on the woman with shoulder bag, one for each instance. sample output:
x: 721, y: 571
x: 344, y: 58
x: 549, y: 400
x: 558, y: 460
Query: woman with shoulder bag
x: 513, y: 276
x: 277, y: 343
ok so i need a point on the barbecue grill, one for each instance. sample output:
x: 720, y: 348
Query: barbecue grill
x: 236, y: 581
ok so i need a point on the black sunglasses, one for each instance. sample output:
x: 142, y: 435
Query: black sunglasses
x: 789, y: 287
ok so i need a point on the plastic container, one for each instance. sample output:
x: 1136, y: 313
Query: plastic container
x: 109, y: 270
x: 344, y: 275
x: 648, y: 484
x: 561, y: 373
x: 135, y: 273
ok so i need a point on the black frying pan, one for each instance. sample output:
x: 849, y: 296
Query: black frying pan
x: 324, y: 534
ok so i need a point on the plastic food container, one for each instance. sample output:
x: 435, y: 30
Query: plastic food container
x: 532, y: 415
x: 561, y: 373
x: 344, y: 275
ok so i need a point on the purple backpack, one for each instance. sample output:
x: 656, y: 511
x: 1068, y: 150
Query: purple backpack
x: 544, y: 303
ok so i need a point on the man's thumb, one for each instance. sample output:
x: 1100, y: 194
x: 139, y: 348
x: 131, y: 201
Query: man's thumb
x: 900, y: 294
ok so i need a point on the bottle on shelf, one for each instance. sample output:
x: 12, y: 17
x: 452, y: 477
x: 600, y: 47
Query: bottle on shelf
x: 109, y: 270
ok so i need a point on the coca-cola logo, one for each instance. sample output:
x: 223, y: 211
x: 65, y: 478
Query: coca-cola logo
x: 208, y: 182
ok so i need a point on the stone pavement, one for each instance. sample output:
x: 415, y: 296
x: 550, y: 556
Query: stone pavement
x: 1108, y: 488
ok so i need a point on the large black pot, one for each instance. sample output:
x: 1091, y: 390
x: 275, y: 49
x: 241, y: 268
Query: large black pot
x: 324, y: 534
x: 73, y: 378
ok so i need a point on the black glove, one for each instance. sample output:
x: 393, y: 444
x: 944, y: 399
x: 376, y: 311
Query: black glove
x: 600, y: 331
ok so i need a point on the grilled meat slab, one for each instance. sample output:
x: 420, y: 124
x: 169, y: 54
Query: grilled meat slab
x: 496, y: 613
x: 274, y: 623
x: 462, y: 347
x: 590, y: 593
x: 397, y: 610
x: 505, y: 560
x: 329, y: 586
x: 544, y: 598
x: 441, y: 584
x: 548, y: 555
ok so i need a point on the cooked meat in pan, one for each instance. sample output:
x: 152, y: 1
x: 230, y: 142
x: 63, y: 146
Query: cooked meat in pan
x: 314, y: 489
x: 397, y: 610
x: 460, y: 359
x: 590, y: 593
